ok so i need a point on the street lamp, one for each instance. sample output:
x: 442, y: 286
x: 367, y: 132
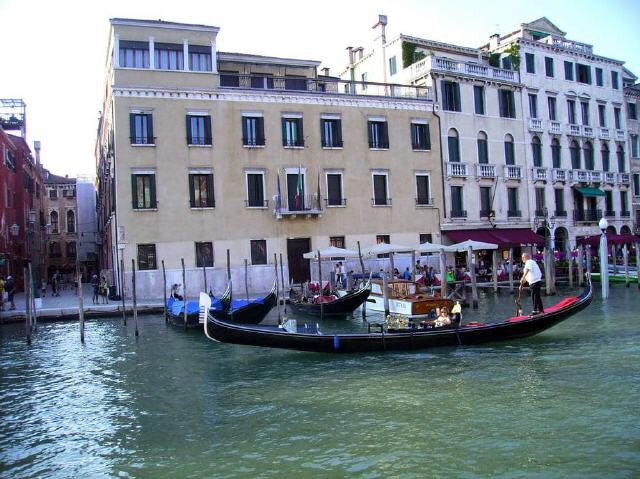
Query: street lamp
x: 604, y: 258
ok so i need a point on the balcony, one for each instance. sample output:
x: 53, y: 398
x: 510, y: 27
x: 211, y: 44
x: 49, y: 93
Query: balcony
x: 555, y: 127
x: 587, y: 131
x: 561, y: 42
x: 538, y: 173
x: 624, y: 178
x: 587, y: 216
x: 625, y: 214
x: 620, y: 135
x: 579, y: 176
x: 512, y: 172
x: 315, y: 86
x: 610, y: 213
x: 514, y: 214
x: 609, y: 178
x: 595, y: 176
x: 604, y: 133
x: 574, y: 130
x: 484, y: 170
x: 559, y: 175
x: 457, y: 170
x: 535, y: 124
x: 303, y: 206
x: 421, y: 201
x: 458, y: 213
x: 470, y: 69
x: 560, y: 213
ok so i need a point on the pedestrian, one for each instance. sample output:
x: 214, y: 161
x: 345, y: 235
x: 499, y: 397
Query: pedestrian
x: 1, y: 294
x: 104, y: 290
x: 95, y: 283
x: 532, y: 275
x: 407, y: 274
x: 339, y: 274
x: 10, y: 287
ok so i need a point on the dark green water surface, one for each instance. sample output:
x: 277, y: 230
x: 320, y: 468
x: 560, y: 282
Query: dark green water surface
x: 564, y: 404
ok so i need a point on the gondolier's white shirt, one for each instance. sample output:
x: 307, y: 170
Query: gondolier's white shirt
x: 533, y: 272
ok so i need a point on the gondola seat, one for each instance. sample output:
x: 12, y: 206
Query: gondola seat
x: 325, y: 298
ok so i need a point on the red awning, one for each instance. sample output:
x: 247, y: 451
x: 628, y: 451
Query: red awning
x: 504, y: 238
x: 612, y: 238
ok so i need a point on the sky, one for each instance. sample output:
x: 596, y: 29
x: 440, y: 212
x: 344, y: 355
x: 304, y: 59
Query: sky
x: 52, y: 53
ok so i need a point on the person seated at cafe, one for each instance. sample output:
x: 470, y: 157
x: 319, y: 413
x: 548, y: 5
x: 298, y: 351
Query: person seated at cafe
x: 396, y: 273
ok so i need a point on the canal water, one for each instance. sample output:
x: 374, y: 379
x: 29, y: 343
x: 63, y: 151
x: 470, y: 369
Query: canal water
x: 168, y: 404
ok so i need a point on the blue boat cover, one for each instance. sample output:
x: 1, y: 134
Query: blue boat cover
x: 176, y: 308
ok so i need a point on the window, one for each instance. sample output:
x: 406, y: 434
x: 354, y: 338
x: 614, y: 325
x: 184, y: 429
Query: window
x: 199, y: 130
x: 420, y: 136
x: 169, y: 56
x: 530, y: 62
x: 71, y: 249
x: 478, y: 99
x: 229, y: 79
x: 507, y: 103
x: 331, y: 132
x: 631, y: 107
x: 485, y: 201
x: 556, y: 153
x: 574, y: 151
x: 54, y: 222
x: 636, y: 184
x: 450, y: 96
x: 423, y: 189
x: 69, y: 192
x: 456, y: 203
x: 602, y: 117
x: 378, y: 134
x: 583, y: 73
x: 143, y: 191
x: 559, y: 197
x: 620, y: 154
x: 253, y: 131
x: 548, y: 66
x: 507, y: 64
x: 614, y: 81
x: 536, y: 149
x: 295, y: 82
x: 571, y: 111
x: 134, y: 54
x: 204, y: 254
x: 483, y: 151
x: 292, y: 132
x: 141, y: 128
x: 255, y: 190
x: 383, y: 239
x: 512, y: 200
x: 509, y: 151
x: 262, y: 81
x: 392, y: 66
x: 334, y: 190
x: 551, y: 102
x: 599, y: 79
x: 200, y: 58
x: 453, y: 146
x: 533, y: 105
x: 258, y: 251
x: 606, y: 165
x: 71, y: 222
x: 588, y: 156
x: 201, y: 194
x: 568, y: 71
x: 147, y: 257
x: 54, y: 249
x: 608, y: 203
x: 584, y: 107
x: 633, y: 139
x: 337, y: 241
x: 624, y: 205
x: 53, y: 194
x: 425, y: 238
x: 540, y: 202
x: 616, y: 117
x: 380, y: 190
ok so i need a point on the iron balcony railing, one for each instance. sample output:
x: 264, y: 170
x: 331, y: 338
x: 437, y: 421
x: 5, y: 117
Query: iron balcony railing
x: 332, y: 144
x: 458, y: 213
x: 514, y: 213
x: 293, y: 142
x: 610, y: 213
x: 199, y: 141
x: 381, y: 201
x: 424, y: 201
x: 254, y: 141
x: 300, y: 204
x: 625, y: 214
x: 256, y: 203
x: 541, y: 212
x: 561, y: 213
x: 587, y: 216
x: 335, y: 201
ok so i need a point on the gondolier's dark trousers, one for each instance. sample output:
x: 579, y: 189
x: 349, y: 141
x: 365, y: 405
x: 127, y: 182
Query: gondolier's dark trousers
x: 535, y: 297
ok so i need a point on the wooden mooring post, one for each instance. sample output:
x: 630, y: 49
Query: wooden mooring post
x: 494, y: 271
x: 361, y: 260
x: 275, y: 265
x: 164, y: 293
x: 80, y: 302
x: 511, y: 270
x: 204, y: 274
x: 27, y: 307
x: 124, y: 308
x: 472, y: 271
x: 580, y: 265
x: 134, y: 296
x: 284, y: 302
x: 184, y: 292
x: 246, y: 278
x: 625, y: 257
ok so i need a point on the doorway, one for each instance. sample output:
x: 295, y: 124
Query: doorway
x: 299, y: 269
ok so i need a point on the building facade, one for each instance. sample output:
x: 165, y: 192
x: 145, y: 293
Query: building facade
x: 201, y: 152
x: 87, y: 226
x: 62, y: 215
x: 632, y: 106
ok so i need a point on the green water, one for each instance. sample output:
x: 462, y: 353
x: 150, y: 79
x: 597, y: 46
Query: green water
x: 170, y: 404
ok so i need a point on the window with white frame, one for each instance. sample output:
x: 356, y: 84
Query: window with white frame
x: 199, y: 129
x: 255, y: 189
x: 253, y: 129
x: 141, y: 128
x: 292, y: 130
x: 378, y: 133
x: 200, y: 58
x: 335, y: 196
x: 134, y: 54
x: 423, y: 189
x: 380, y: 183
x: 331, y: 131
x: 169, y: 56
x: 420, y: 135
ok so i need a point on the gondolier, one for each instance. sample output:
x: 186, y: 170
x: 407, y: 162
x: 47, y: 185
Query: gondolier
x: 533, y: 276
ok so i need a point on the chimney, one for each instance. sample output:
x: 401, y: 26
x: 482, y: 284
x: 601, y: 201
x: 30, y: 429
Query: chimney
x: 325, y: 71
x: 350, y: 50
x: 36, y: 146
x: 360, y: 52
x: 494, y: 41
x: 382, y: 23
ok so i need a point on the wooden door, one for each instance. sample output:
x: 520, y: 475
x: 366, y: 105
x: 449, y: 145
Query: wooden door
x: 299, y: 269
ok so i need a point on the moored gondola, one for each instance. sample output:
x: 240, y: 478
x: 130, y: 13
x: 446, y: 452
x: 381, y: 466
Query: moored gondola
x: 331, y: 305
x: 305, y: 338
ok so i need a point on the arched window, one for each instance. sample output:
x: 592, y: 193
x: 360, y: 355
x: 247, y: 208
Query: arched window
x: 454, y: 145
x: 536, y: 149
x: 556, y: 153
x: 509, y: 151
x: 71, y: 222
x: 588, y: 156
x: 71, y: 249
x: 54, y: 222
x: 54, y: 249
x: 606, y: 166
x: 574, y: 149
x: 621, y: 165
x: 483, y: 150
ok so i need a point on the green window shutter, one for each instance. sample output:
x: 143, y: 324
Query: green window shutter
x: 284, y: 132
x: 300, y: 132
x: 456, y: 94
x: 260, y: 131
x: 385, y: 135
x: 339, y: 131
x: 207, y: 131
x: 427, y: 139
x: 211, y: 202
x: 501, y: 102
x: 443, y: 91
x: 152, y: 188
x: 132, y: 127
x: 192, y: 193
x: 134, y: 191
x: 244, y: 131
x: 189, y: 137
x: 150, y: 137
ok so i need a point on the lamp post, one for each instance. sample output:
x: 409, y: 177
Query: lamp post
x: 604, y: 258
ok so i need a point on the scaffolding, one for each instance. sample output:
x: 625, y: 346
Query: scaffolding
x: 13, y: 115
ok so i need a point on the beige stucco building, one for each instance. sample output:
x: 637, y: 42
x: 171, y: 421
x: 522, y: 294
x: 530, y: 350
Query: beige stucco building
x: 201, y: 151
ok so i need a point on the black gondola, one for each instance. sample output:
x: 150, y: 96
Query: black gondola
x: 238, y: 310
x: 311, y: 339
x: 335, y: 306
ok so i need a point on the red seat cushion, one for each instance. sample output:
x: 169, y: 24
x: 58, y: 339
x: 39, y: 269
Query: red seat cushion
x: 325, y: 299
x: 473, y: 324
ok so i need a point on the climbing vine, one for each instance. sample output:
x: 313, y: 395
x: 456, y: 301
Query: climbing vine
x: 514, y: 53
x: 410, y: 55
